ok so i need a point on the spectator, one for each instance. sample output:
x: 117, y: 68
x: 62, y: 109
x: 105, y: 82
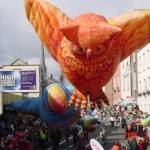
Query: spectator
x: 140, y: 145
x: 81, y: 143
x: 102, y: 140
x: 123, y: 122
x: 86, y: 135
x: 133, y: 145
x: 123, y: 146
x: 75, y: 136
x: 116, y: 146
x: 43, y: 136
x: 2, y: 144
x: 128, y: 145
x: 67, y: 134
x: 53, y: 138
x: 59, y: 136
x: 112, y: 120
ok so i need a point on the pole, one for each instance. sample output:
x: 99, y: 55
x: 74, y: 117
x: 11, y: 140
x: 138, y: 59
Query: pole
x: 1, y: 103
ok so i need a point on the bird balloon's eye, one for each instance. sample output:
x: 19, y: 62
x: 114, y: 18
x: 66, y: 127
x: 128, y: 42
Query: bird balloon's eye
x: 77, y: 50
x: 99, y: 50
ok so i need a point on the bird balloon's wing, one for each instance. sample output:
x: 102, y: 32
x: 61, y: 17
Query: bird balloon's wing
x: 46, y: 19
x: 135, y: 28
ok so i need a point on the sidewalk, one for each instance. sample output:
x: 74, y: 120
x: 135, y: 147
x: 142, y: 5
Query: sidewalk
x: 114, y: 134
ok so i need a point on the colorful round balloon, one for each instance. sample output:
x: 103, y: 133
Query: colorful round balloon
x: 56, y: 99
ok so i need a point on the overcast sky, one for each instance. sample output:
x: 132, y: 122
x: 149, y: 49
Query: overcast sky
x: 18, y: 39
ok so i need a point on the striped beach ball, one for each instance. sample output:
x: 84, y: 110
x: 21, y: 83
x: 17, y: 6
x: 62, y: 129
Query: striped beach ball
x: 56, y: 98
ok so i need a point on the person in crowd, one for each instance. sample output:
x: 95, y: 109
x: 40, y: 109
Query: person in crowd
x: 9, y: 137
x: 123, y: 122
x: 81, y: 143
x: 112, y: 120
x: 123, y: 146
x: 67, y: 134
x: 128, y: 145
x: 43, y: 137
x: 102, y: 139
x: 75, y: 136
x: 135, y: 128
x: 85, y: 135
x: 82, y: 113
x: 2, y: 144
x: 59, y: 136
x: 34, y: 138
x: 128, y: 131
x: 140, y: 145
x: 53, y: 138
x: 117, y: 120
x: 116, y: 146
x: 104, y: 115
x: 99, y: 119
x: 133, y: 145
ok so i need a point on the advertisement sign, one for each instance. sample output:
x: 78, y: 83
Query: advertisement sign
x: 131, y: 99
x: 19, y: 81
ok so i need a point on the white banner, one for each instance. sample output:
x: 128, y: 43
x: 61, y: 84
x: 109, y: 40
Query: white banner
x: 19, y: 80
x: 95, y: 145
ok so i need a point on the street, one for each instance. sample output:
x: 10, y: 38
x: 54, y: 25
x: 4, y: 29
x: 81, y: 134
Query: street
x: 113, y: 134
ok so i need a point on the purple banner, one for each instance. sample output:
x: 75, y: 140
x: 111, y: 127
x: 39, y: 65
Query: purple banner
x: 28, y: 80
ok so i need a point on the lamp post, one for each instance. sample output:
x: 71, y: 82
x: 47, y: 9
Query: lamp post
x: 25, y: 95
x: 1, y: 103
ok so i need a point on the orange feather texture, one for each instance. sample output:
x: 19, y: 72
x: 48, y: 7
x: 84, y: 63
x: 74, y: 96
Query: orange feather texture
x: 88, y: 48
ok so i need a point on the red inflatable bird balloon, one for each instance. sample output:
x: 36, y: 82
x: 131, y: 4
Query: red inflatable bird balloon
x: 88, y: 48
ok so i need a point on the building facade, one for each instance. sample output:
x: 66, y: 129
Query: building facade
x: 116, y: 93
x: 125, y: 79
x: 108, y: 91
x: 6, y: 97
x: 134, y: 80
x: 143, y: 59
x: 15, y: 94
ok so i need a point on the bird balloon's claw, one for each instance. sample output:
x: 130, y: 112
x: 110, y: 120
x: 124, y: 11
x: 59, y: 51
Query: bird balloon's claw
x: 99, y: 104
x: 104, y: 99
x: 79, y: 99
x: 92, y: 105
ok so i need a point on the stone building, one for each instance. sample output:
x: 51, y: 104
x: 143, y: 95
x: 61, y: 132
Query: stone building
x: 143, y: 59
x: 17, y: 83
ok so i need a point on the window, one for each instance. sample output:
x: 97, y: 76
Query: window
x: 127, y: 64
x: 148, y: 58
x: 140, y: 86
x: 118, y: 81
x: 134, y: 60
x: 122, y: 64
x: 134, y: 81
x: 148, y: 83
x: 128, y: 83
x: 143, y: 61
x: 145, y: 86
x: 115, y: 83
x: 123, y: 83
x: 139, y: 64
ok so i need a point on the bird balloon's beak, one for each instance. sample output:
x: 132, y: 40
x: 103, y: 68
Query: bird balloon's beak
x: 89, y: 54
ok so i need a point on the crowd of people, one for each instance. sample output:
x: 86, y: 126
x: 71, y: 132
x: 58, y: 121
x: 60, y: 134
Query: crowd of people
x: 22, y: 131
x: 128, y: 118
x: 26, y: 132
